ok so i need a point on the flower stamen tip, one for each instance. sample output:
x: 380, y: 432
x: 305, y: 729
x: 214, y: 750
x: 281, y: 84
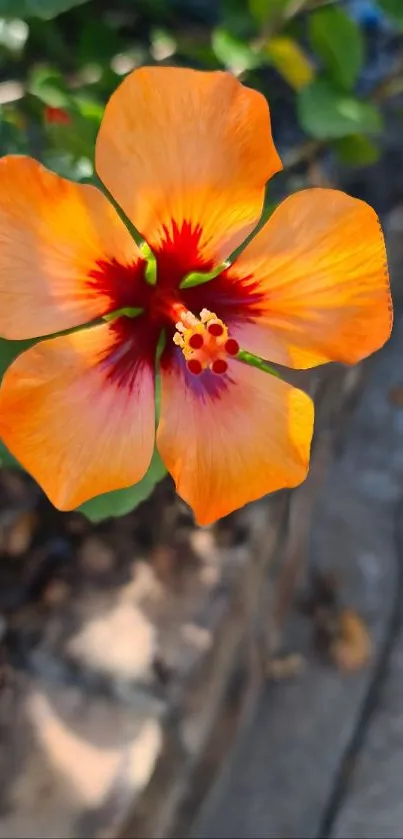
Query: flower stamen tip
x: 231, y: 346
x: 194, y: 366
x: 215, y: 328
x: 196, y: 341
x: 219, y: 366
x: 204, y: 342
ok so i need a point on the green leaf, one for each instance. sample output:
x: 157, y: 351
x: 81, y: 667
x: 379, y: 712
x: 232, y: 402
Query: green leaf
x: 13, y: 136
x: 68, y: 165
x: 6, y: 458
x: 128, y: 312
x: 328, y: 113
x: 49, y: 86
x: 199, y: 278
x: 263, y: 11
x: 237, y: 18
x: 394, y: 9
x: 78, y: 136
x: 356, y: 150
x: 45, y: 9
x: 97, y: 41
x: 9, y: 350
x: 114, y: 504
x: 232, y: 52
x: 339, y: 43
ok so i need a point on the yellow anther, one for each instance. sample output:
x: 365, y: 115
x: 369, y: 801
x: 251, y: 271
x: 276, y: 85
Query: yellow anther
x: 205, y: 315
x: 178, y: 339
x: 203, y: 341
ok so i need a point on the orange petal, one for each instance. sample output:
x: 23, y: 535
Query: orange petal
x: 54, y: 234
x: 186, y: 154
x: 78, y: 412
x: 228, y: 440
x: 315, y: 283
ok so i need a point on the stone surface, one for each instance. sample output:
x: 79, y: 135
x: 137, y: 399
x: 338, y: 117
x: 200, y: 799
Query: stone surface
x: 372, y: 803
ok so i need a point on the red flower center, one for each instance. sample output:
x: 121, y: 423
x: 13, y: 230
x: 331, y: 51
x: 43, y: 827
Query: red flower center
x: 187, y: 316
x: 204, y: 342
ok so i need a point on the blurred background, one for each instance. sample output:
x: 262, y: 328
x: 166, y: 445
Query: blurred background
x: 329, y: 70
x: 125, y: 643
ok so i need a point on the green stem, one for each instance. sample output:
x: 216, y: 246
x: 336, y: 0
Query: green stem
x: 126, y: 221
x: 255, y: 361
x: 127, y: 312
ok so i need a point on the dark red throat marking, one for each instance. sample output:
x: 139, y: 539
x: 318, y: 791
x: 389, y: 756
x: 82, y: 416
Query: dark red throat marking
x: 179, y: 254
x: 136, y: 338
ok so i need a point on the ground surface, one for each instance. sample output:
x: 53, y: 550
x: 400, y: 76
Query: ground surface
x: 126, y: 649
x: 323, y: 754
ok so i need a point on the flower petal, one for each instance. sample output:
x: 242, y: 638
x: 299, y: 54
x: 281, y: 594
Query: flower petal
x: 186, y: 154
x: 228, y: 440
x: 78, y: 411
x: 313, y: 283
x: 56, y: 237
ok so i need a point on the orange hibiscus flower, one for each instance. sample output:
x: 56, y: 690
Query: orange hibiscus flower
x: 186, y: 155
